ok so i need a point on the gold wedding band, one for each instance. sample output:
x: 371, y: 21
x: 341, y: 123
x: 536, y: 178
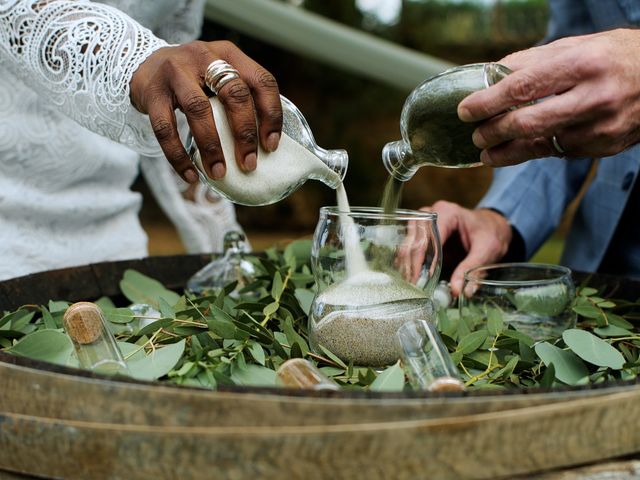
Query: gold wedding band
x: 556, y: 145
x: 218, y: 74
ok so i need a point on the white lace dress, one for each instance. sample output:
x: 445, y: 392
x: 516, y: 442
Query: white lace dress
x: 70, y: 139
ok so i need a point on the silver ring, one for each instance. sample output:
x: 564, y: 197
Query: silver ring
x: 556, y: 145
x: 218, y: 74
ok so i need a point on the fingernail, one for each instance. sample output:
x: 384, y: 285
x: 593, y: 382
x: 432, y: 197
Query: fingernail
x: 250, y: 162
x: 272, y: 141
x: 478, y: 140
x: 464, y: 114
x: 485, y: 157
x: 218, y: 170
x: 190, y: 175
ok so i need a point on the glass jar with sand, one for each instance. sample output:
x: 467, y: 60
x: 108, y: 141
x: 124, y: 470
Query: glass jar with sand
x: 297, y: 159
x: 374, y: 271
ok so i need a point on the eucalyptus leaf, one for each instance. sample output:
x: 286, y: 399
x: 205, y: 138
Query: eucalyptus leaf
x: 495, y: 323
x: 593, y: 349
x: 254, y: 375
x: 119, y: 315
x: 139, y: 288
x: 390, y: 380
x: 305, y: 298
x: 158, y: 363
x: 48, y: 345
x: 472, y: 341
x: 611, y: 331
x: 569, y: 368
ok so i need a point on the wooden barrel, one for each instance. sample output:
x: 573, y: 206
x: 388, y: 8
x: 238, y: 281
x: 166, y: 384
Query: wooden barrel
x: 58, y: 422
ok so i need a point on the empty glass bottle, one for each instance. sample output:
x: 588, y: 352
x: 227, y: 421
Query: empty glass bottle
x: 432, y: 133
x: 230, y: 267
x: 297, y: 159
x: 426, y: 359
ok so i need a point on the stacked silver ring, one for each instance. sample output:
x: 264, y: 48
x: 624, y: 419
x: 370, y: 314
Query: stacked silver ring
x: 218, y: 74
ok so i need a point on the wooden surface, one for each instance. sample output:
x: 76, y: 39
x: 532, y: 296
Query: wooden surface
x: 56, y: 422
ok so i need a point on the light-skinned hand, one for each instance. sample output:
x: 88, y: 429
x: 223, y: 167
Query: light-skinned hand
x: 173, y: 77
x: 593, y: 107
x: 485, y: 236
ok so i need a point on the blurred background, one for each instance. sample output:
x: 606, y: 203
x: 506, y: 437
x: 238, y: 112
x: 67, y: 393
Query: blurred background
x: 359, y: 113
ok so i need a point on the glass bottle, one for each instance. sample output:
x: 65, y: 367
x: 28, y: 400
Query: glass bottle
x: 432, y: 133
x: 426, y: 359
x: 297, y: 159
x: 94, y: 343
x: 301, y: 373
x: 230, y: 267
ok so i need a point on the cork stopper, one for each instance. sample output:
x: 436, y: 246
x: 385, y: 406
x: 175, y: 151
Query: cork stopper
x: 300, y: 373
x: 83, y: 322
x: 447, y: 384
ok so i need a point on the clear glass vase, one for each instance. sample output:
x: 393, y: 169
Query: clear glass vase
x: 373, y: 272
x: 432, y: 133
x: 278, y: 174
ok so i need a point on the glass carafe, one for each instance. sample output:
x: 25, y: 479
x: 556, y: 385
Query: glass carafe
x: 432, y: 133
x: 373, y: 272
x: 278, y: 174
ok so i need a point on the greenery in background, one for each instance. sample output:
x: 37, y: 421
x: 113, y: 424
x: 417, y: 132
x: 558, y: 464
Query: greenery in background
x: 228, y: 339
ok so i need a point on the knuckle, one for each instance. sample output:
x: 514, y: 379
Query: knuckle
x: 212, y: 148
x: 522, y: 88
x: 177, y: 157
x: 246, y: 135
x: 524, y: 124
x: 196, y: 105
x: 238, y: 92
x: 162, y: 129
x: 265, y: 80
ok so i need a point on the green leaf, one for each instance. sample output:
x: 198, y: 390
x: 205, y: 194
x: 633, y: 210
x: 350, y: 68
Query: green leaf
x: 278, y: 286
x: 139, y: 288
x: 548, y: 377
x: 105, y: 303
x: 333, y: 356
x: 606, y: 304
x: 611, y: 331
x: 48, y: 319
x: 618, y: 321
x: 588, y: 311
x: 495, y: 323
x: 390, y: 380
x: 593, y: 349
x: 155, y: 326
x: 568, y: 366
x: 305, y: 298
x: 257, y: 352
x: 587, y: 291
x: 60, y: 306
x: 271, y: 309
x: 47, y: 345
x: 300, y: 251
x: 295, y: 337
x: 119, y: 315
x: 472, y: 341
x: 254, y: 375
x: 158, y: 363
x: 166, y: 310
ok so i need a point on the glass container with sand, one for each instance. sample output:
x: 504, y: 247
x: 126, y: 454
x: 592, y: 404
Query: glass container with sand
x: 374, y: 271
x: 278, y: 174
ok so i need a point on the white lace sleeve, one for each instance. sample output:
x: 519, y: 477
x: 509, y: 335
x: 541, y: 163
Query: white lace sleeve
x: 81, y: 56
